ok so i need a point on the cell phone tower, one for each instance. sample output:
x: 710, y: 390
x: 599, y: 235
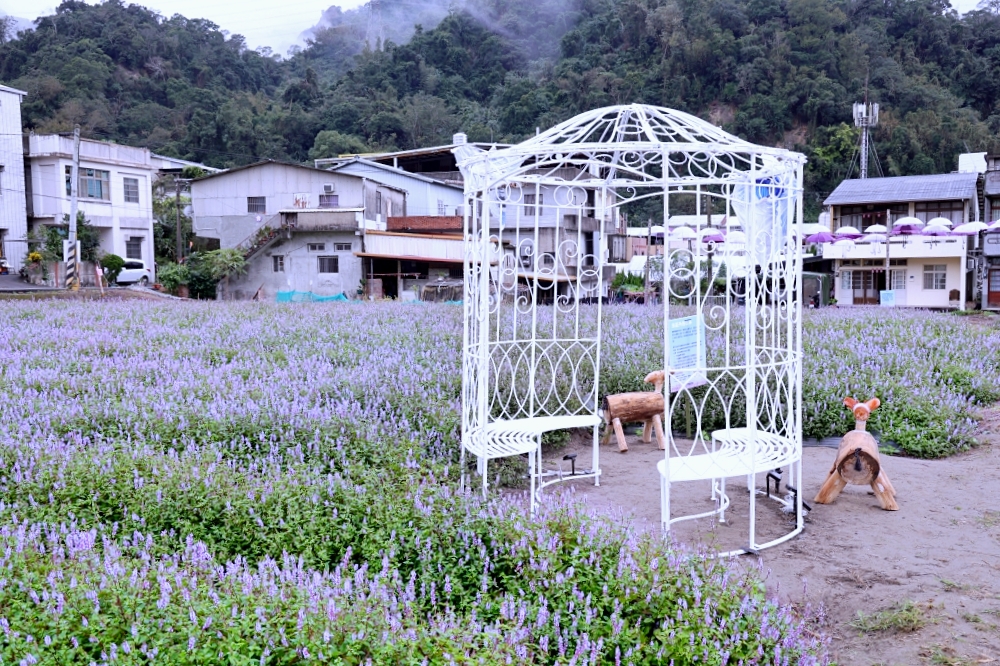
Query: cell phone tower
x: 865, y: 117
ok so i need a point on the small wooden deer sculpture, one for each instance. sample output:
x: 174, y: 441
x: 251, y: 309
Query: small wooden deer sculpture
x: 857, y: 461
x: 645, y: 406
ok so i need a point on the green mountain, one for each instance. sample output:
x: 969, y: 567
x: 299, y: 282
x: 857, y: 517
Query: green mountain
x: 773, y: 71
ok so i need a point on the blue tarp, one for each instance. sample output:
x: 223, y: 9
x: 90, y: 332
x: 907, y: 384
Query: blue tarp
x: 307, y: 297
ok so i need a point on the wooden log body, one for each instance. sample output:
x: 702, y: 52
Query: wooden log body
x: 645, y: 407
x: 857, y: 458
x: 858, y: 463
x: 632, y: 407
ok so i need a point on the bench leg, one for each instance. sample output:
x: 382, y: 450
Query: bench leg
x: 722, y: 497
x: 665, y: 503
x: 620, y: 435
x: 485, y: 464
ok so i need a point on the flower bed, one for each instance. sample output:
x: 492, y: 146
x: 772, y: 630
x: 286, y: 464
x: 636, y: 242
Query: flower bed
x: 931, y: 371
x: 238, y: 483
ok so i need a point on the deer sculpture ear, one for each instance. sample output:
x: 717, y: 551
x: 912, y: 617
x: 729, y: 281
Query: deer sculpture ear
x: 873, y: 404
x: 850, y: 402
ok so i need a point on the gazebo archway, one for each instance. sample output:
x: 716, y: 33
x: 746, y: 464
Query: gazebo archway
x: 536, y: 221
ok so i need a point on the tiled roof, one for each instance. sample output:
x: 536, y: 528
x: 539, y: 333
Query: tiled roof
x: 899, y: 189
x: 425, y: 223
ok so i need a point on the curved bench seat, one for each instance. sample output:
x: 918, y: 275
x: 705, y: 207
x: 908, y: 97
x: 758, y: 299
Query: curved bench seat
x: 735, y: 452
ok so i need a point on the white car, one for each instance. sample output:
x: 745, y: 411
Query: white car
x: 135, y: 271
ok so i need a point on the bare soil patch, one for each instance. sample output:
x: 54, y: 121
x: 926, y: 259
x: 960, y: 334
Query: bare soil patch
x: 925, y: 579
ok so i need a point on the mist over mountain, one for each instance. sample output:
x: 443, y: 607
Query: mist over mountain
x: 533, y: 29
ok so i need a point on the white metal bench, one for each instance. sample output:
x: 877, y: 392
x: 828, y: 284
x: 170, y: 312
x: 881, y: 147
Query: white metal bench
x: 734, y: 452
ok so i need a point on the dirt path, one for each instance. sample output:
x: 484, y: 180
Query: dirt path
x: 940, y: 551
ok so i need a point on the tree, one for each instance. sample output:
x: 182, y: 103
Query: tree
x: 112, y: 265
x: 331, y: 143
x: 225, y: 262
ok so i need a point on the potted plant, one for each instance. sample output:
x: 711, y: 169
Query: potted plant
x: 174, y: 278
x: 35, y: 268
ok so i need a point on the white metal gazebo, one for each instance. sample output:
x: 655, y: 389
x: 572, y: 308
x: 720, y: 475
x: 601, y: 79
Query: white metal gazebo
x: 537, y: 218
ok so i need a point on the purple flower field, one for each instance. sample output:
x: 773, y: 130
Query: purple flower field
x: 209, y: 483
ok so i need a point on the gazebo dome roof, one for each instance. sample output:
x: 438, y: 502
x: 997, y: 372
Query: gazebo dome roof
x: 635, y: 124
x: 630, y: 137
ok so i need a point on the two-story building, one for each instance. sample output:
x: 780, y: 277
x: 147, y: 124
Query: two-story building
x: 924, y: 271
x: 300, y: 228
x: 13, y: 207
x: 114, y: 190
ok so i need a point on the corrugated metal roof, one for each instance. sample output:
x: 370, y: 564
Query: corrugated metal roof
x: 899, y: 189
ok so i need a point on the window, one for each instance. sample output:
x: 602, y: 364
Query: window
x: 441, y: 209
x: 935, y: 276
x: 845, y: 279
x: 341, y: 247
x: 378, y: 203
x: 131, y: 186
x: 93, y: 184
x: 329, y: 200
x: 133, y: 265
x: 951, y: 210
x: 256, y: 204
x: 897, y: 279
x: 317, y: 247
x: 278, y: 263
x: 329, y: 264
x: 533, y: 204
x: 133, y: 248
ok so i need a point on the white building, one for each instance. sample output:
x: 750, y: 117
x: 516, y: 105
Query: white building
x: 425, y: 196
x: 13, y: 216
x: 114, y: 191
x: 924, y: 271
x: 300, y: 228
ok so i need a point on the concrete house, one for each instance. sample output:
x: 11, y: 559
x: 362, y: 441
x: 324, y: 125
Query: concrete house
x: 924, y: 271
x: 417, y: 256
x: 13, y: 207
x: 587, y: 217
x: 299, y: 227
x: 114, y: 190
x: 425, y: 196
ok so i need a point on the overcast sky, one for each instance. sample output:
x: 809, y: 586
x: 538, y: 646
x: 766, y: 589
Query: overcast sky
x: 262, y: 22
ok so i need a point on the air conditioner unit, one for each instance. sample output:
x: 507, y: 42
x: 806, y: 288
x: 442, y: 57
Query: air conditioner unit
x: 329, y: 188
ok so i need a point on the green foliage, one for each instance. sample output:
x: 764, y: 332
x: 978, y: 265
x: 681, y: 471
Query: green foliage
x: 201, y: 283
x: 49, y: 239
x: 905, y: 617
x: 172, y: 276
x: 331, y: 143
x: 165, y: 229
x: 627, y: 281
x: 225, y: 262
x: 112, y: 265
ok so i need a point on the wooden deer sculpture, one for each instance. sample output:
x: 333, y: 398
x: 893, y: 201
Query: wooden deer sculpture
x: 858, y: 461
x: 645, y: 406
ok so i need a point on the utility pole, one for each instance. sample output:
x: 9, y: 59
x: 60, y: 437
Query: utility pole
x: 178, y: 182
x: 72, y: 261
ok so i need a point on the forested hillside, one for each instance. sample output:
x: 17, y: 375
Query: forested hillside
x: 773, y: 71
